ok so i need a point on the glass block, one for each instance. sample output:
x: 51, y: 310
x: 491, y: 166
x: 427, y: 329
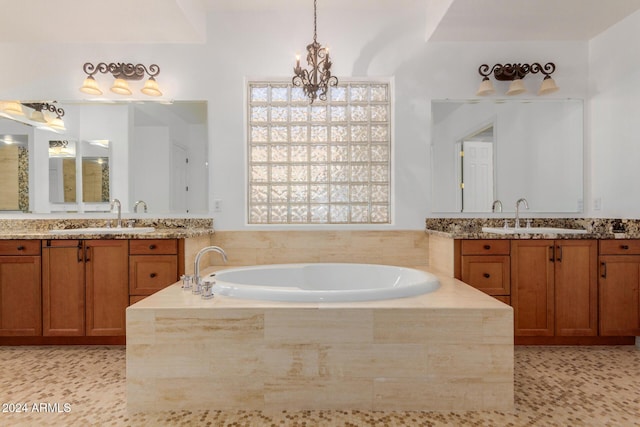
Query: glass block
x: 379, y: 153
x: 279, y: 153
x: 320, y: 213
x: 339, y: 133
x: 279, y: 134
x: 259, y: 214
x: 297, y: 94
x: 359, y: 113
x: 299, y: 193
x: 299, y: 173
x: 319, y: 173
x: 379, y: 113
x: 279, y: 193
x: 279, y: 94
x: 299, y: 114
x: 318, y: 133
x: 259, y: 193
x: 259, y: 154
x: 299, y: 214
x: 259, y: 174
x: 339, y: 173
x: 319, y: 114
x: 338, y: 114
x: 259, y: 133
x: 279, y: 114
x: 379, y: 173
x: 299, y: 134
x: 378, y: 93
x: 359, y: 133
x: 359, y: 213
x: 359, y: 153
x: 338, y: 94
x: 259, y: 114
x: 339, y: 213
x: 339, y: 193
x: 359, y: 173
x: 380, y: 193
x: 299, y: 153
x: 259, y: 93
x: 380, y: 214
x: 279, y: 173
x: 358, y: 93
x: 379, y: 133
x: 319, y: 194
x: 359, y: 193
x: 319, y: 153
x: 279, y: 214
x: 339, y: 153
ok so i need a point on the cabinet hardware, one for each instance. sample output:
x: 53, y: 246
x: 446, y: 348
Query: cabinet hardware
x: 487, y: 247
x: 152, y: 275
x: 559, y: 257
x: 624, y: 247
x: 486, y: 275
x: 20, y: 248
x: 603, y: 270
x: 552, y: 253
x: 86, y: 253
x: 152, y: 247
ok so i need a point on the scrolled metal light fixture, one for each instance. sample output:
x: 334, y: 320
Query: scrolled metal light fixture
x: 316, y: 81
x: 122, y: 72
x: 14, y: 110
x: 515, y: 73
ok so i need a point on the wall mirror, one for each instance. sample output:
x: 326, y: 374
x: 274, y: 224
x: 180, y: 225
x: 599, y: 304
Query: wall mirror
x: 150, y: 151
x: 489, y: 150
x: 14, y: 172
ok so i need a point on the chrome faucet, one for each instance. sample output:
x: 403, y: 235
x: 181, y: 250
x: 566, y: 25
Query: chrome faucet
x: 116, y: 202
x: 526, y: 206
x: 497, y: 206
x: 196, y: 267
x: 138, y: 203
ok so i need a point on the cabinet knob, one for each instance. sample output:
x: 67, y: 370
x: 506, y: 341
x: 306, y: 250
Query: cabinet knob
x: 152, y: 275
x: 152, y: 247
x: 625, y: 247
x: 487, y: 247
x: 20, y: 248
x: 486, y: 275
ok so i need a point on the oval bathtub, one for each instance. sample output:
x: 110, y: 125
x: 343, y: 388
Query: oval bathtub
x: 323, y: 282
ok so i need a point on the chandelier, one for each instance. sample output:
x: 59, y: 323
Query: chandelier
x: 316, y: 81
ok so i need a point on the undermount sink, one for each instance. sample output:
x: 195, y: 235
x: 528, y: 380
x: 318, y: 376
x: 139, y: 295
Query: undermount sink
x: 104, y: 230
x: 532, y: 230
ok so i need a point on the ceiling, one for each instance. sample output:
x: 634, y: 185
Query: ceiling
x: 184, y: 21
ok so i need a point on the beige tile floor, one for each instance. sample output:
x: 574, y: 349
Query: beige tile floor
x: 554, y: 386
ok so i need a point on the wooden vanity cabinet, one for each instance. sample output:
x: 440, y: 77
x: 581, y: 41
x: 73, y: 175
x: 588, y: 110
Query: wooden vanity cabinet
x: 554, y: 289
x: 484, y: 264
x: 20, y: 291
x: 153, y: 265
x: 619, y: 287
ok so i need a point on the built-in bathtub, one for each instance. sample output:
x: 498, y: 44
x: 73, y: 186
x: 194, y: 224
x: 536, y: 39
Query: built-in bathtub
x: 323, y: 282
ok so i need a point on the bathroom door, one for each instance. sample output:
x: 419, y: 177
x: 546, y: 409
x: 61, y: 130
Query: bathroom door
x: 477, y: 176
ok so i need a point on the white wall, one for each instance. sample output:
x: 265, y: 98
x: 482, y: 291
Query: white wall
x: 614, y: 91
x: 241, y: 45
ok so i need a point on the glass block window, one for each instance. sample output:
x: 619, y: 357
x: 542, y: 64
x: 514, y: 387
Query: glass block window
x: 322, y: 163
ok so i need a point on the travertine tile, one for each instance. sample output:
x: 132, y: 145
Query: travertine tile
x: 346, y: 393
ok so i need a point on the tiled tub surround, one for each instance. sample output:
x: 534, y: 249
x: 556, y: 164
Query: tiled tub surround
x: 448, y: 350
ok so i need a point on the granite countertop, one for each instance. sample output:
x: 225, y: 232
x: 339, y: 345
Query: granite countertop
x: 159, y: 233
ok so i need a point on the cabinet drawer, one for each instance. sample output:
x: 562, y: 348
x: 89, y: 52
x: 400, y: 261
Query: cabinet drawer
x: 19, y: 247
x: 490, y: 274
x: 150, y: 273
x: 485, y: 247
x: 620, y: 247
x: 153, y: 246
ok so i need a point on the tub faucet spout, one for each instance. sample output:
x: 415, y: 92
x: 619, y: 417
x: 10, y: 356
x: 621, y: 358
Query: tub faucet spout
x: 196, y: 267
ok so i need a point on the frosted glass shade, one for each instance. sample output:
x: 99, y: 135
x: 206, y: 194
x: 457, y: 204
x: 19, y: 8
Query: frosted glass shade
x: 12, y: 107
x: 90, y: 86
x: 38, y: 116
x: 151, y: 88
x: 486, y: 88
x: 516, y: 87
x: 548, y: 86
x: 121, y: 87
x: 57, y: 124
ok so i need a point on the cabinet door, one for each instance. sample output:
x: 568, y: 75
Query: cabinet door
x: 20, y: 296
x: 619, y: 295
x: 489, y: 274
x: 576, y: 287
x: 63, y: 288
x: 532, y: 287
x: 150, y: 273
x: 107, y: 286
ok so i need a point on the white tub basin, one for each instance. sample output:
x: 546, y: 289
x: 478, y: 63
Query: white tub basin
x: 533, y: 230
x: 104, y: 230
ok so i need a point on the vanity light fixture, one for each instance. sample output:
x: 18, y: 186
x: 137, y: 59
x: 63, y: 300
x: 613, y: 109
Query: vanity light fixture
x: 38, y: 115
x: 316, y: 81
x: 515, y: 73
x: 123, y: 73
